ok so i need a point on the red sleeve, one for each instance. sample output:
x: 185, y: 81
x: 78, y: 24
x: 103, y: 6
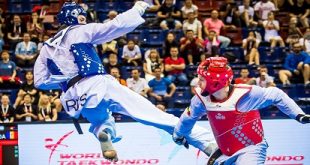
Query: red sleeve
x: 181, y: 60
x: 167, y: 60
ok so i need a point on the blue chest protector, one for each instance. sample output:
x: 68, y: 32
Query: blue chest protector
x: 87, y: 59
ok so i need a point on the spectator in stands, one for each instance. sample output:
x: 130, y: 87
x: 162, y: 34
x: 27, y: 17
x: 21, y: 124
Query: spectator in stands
x: 212, y: 44
x: 262, y: 9
x: 7, y: 112
x: 272, y: 28
x: 263, y: 80
x: 138, y: 84
x: 43, y: 11
x: 175, y: 66
x: 91, y: 14
x: 26, y: 52
x: 15, y: 31
x: 27, y: 88
x: 112, y: 62
x: 192, y: 23
x: 54, y: 98
x: 1, y: 31
x: 35, y: 27
x: 154, y: 5
x: 295, y: 66
x: 300, y: 9
x: 294, y: 33
x: 151, y: 62
x: 8, y: 78
x: 189, y: 7
x: 27, y: 111
x: 216, y: 25
x: 191, y: 47
x: 170, y: 41
x: 131, y: 54
x: 305, y: 41
x: 159, y: 87
x: 44, y: 38
x: 250, y: 47
x: 111, y: 15
x: 229, y: 14
x: 45, y: 110
x: 116, y: 74
x: 169, y: 16
x: 244, y: 77
x: 247, y: 14
x: 108, y: 48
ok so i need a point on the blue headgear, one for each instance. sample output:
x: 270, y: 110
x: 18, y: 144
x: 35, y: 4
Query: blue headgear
x: 69, y: 13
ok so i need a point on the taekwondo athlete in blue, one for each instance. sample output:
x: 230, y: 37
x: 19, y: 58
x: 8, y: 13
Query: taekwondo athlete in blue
x: 68, y: 60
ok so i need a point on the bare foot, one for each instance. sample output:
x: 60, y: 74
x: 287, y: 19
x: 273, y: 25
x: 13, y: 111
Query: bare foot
x: 108, y: 151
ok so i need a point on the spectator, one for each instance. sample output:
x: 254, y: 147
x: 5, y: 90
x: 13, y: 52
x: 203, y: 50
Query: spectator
x: 8, y: 78
x: 295, y: 66
x: 44, y: 38
x: 263, y: 80
x: 108, y: 48
x: 116, y: 74
x: 7, y: 112
x: 272, y: 28
x: 294, y: 33
x: 244, y: 77
x: 305, y: 41
x: 44, y: 12
x: 26, y: 52
x: 91, y: 15
x: 300, y: 9
x: 250, y: 47
x: 131, y: 54
x: 175, y: 66
x: 1, y: 32
x: 54, y: 99
x: 247, y: 14
x: 262, y: 9
x: 191, y: 47
x: 46, y: 111
x: 169, y: 16
x: 27, y: 111
x: 189, y: 7
x: 229, y: 14
x: 138, y: 84
x: 170, y: 41
x: 192, y: 23
x: 27, y: 88
x: 112, y: 62
x: 111, y: 15
x: 15, y: 31
x: 35, y: 27
x: 159, y: 86
x: 216, y: 25
x: 212, y: 44
x: 154, y: 5
x: 152, y: 62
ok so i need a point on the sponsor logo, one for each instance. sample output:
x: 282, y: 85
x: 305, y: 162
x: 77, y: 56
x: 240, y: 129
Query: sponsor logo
x: 219, y: 116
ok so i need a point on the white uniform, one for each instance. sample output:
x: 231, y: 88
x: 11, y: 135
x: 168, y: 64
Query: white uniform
x: 95, y: 96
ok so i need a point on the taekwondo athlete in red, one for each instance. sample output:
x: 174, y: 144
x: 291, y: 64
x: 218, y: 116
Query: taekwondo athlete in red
x: 233, y: 113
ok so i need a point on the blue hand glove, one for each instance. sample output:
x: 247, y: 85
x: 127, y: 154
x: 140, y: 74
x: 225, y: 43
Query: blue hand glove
x: 180, y: 140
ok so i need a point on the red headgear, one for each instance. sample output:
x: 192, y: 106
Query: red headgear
x: 216, y: 72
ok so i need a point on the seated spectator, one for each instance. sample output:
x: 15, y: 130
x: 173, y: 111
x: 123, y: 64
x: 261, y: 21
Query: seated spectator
x: 175, y: 66
x: 212, y: 44
x: 191, y: 47
x: 44, y: 38
x: 300, y: 9
x: 27, y: 88
x: 15, y: 31
x: 250, y: 47
x: 152, y: 62
x: 131, y: 54
x: 7, y: 112
x: 116, y: 74
x: 244, y: 77
x: 44, y: 11
x: 45, y: 110
x: 192, y: 23
x: 138, y: 84
x: 263, y: 80
x: 54, y: 96
x: 247, y: 14
x: 27, y: 112
x: 112, y: 62
x: 294, y: 33
x: 169, y: 16
x: 295, y: 66
x: 111, y: 15
x: 8, y: 78
x: 262, y: 9
x: 91, y: 14
x: 216, y: 25
x: 154, y: 5
x: 170, y: 41
x: 26, y: 52
x: 229, y: 14
x: 189, y: 7
x: 305, y: 41
x: 272, y: 29
x: 159, y: 87
x: 35, y: 27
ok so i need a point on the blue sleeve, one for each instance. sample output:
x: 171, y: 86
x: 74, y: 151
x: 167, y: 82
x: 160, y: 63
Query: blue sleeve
x: 167, y: 81
x: 151, y: 83
x: 259, y: 98
x: 287, y: 63
x: 189, y: 117
x: 13, y: 65
x: 17, y: 49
